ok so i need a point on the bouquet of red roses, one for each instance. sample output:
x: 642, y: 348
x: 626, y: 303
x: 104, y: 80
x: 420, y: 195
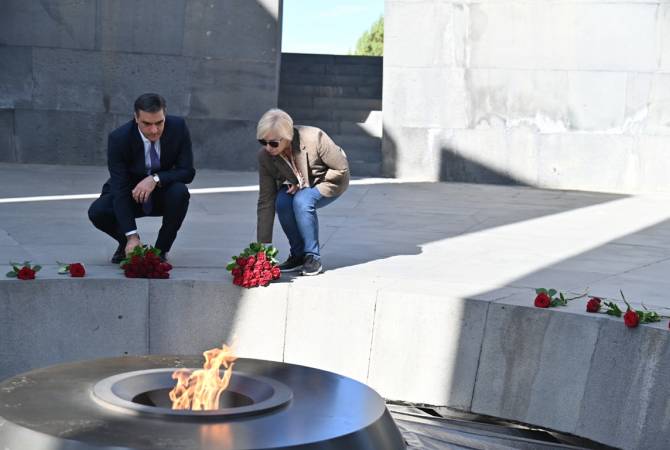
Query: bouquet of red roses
x: 255, y: 266
x: 144, y: 262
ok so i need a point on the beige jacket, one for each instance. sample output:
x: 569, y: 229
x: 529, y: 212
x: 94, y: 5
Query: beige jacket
x: 319, y: 160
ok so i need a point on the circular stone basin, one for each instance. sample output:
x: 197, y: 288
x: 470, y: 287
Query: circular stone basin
x: 146, y: 392
x: 121, y: 404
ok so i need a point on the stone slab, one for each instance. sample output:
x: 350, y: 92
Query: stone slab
x: 59, y: 137
x: 628, y: 369
x: 128, y: 75
x: 44, y: 322
x: 232, y: 146
x: 140, y: 29
x: 210, y: 27
x: 7, y: 153
x: 528, y: 356
x: 188, y: 317
x: 16, y: 81
x: 330, y: 329
x: 64, y: 24
x: 69, y: 80
x: 432, y: 362
x: 563, y: 35
x: 224, y: 89
x: 423, y: 34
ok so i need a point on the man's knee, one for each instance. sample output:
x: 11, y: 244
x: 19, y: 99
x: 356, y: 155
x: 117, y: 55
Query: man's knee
x: 95, y: 212
x: 177, y: 193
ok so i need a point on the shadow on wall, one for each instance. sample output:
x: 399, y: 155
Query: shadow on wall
x: 455, y: 167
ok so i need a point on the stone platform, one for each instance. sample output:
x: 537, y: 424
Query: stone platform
x: 427, y: 296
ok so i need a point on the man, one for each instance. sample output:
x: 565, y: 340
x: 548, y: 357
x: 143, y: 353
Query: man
x: 150, y: 162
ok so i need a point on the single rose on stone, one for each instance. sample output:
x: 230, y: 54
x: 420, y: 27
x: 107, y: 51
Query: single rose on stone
x: 593, y: 305
x: 546, y: 298
x: 631, y: 319
x: 542, y: 300
x: 24, y: 271
x: 75, y: 270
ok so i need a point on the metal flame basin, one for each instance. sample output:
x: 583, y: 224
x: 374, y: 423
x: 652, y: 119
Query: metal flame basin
x: 109, y: 404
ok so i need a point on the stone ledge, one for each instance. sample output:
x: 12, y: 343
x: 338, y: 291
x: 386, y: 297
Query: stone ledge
x: 494, y: 354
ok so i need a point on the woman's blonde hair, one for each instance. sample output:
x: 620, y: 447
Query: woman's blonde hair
x: 275, y: 120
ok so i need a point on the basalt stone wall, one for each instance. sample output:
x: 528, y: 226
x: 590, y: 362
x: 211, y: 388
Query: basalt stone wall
x: 563, y: 94
x: 71, y: 69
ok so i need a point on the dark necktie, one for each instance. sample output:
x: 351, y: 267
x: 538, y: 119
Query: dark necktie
x: 147, y: 206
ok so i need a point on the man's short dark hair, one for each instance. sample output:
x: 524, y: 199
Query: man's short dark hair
x: 150, y: 103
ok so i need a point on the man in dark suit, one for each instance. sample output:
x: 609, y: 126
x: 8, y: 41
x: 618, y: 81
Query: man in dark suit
x: 150, y: 162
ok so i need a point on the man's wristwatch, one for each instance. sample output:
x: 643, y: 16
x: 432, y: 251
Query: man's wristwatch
x: 156, y: 179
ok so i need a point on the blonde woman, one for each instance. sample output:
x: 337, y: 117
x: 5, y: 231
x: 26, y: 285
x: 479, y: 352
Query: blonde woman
x: 300, y: 169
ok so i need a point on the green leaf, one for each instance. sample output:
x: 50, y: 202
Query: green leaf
x: 11, y: 274
x: 540, y: 290
x: 62, y: 270
x: 231, y: 266
x: 37, y: 268
x: 551, y: 292
x: 554, y: 303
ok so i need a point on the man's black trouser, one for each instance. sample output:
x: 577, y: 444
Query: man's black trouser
x: 170, y: 202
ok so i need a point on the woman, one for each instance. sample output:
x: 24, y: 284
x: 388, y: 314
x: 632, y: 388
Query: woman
x: 300, y: 169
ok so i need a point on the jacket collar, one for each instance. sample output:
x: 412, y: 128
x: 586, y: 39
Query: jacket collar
x: 300, y: 155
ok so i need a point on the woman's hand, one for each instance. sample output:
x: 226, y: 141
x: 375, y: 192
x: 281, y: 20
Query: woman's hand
x: 292, y: 189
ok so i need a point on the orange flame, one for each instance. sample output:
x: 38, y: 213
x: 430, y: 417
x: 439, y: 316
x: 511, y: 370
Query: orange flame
x: 201, y: 390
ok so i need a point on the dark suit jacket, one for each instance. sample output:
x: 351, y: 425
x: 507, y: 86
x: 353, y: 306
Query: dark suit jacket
x: 125, y: 158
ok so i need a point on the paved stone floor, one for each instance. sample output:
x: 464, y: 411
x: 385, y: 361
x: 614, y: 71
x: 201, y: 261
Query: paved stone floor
x: 467, y: 239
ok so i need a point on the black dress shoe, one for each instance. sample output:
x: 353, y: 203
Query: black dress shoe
x: 119, y: 254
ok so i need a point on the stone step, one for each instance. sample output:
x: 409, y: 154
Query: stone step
x: 332, y: 79
x: 367, y: 104
x: 333, y: 127
x: 300, y: 58
x: 290, y: 69
x: 305, y: 116
x: 287, y: 89
x: 365, y: 169
x: 358, y: 143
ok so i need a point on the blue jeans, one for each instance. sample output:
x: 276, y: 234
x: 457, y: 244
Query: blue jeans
x: 297, y: 215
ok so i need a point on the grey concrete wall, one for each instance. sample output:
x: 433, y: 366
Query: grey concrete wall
x: 492, y: 354
x: 70, y: 71
x: 561, y: 94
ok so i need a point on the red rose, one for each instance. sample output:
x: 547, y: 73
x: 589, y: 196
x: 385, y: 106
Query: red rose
x: 251, y: 260
x: 261, y: 257
x: 77, y: 270
x: 276, y: 272
x: 542, y: 300
x: 593, y: 305
x: 631, y: 319
x: 26, y: 273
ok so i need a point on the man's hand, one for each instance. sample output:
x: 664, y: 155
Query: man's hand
x: 143, y: 189
x: 132, y: 242
x: 292, y: 189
